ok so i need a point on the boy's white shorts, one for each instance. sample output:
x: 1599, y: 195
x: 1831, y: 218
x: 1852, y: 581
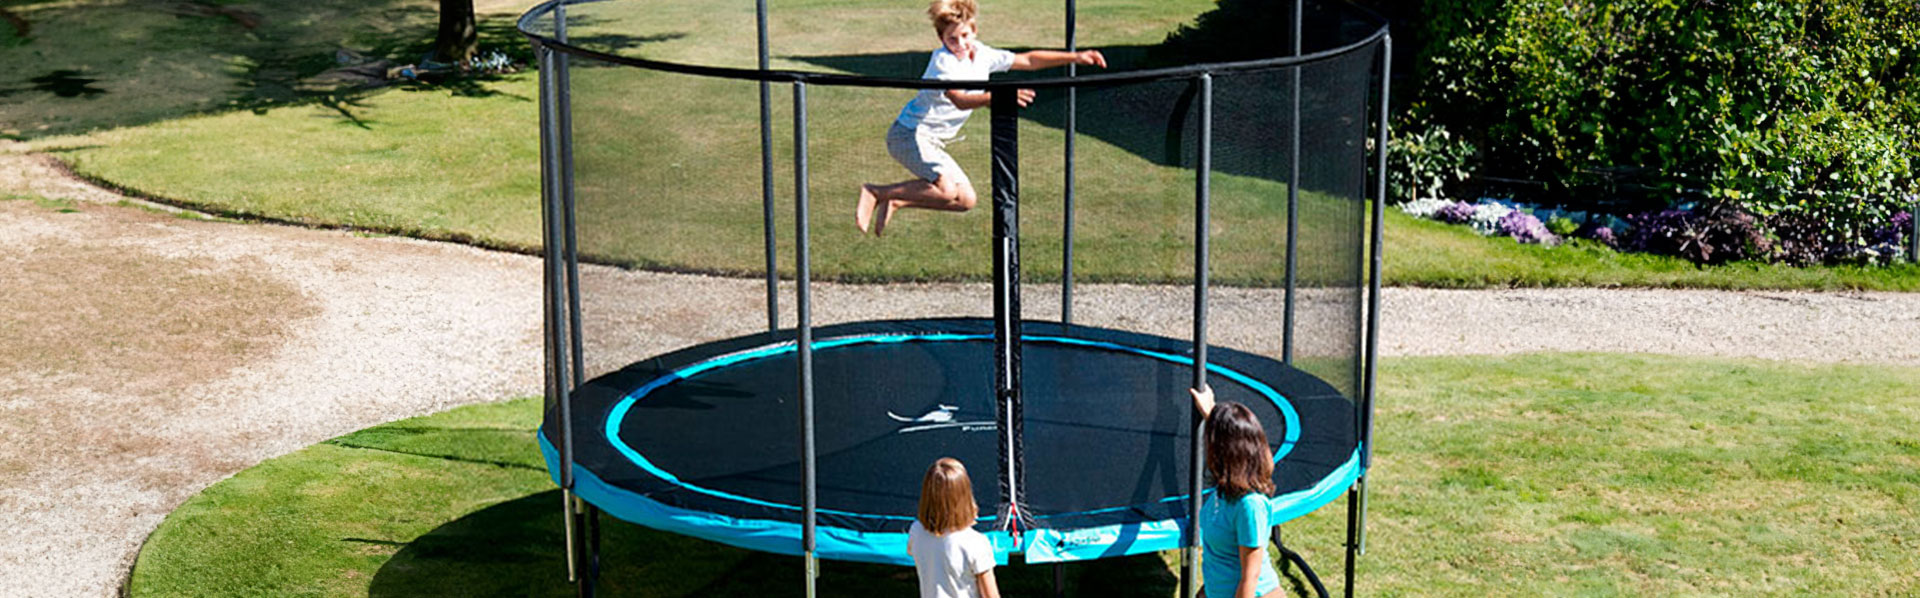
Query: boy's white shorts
x: 924, y: 155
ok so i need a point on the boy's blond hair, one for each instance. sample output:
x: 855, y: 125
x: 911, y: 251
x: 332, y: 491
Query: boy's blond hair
x: 946, y: 498
x: 947, y: 13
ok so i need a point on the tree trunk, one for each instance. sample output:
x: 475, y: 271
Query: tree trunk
x: 459, y: 40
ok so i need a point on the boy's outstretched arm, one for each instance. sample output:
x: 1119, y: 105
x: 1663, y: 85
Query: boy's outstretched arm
x: 1044, y: 59
x: 968, y: 100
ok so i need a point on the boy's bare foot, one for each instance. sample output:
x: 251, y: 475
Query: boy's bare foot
x: 882, y: 214
x: 863, y: 209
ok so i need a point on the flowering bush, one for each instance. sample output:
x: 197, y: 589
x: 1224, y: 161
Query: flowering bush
x: 1603, y: 234
x: 1455, y: 213
x: 1424, y: 207
x: 1715, y: 234
x: 1708, y: 233
x: 1525, y: 228
x: 1487, y: 215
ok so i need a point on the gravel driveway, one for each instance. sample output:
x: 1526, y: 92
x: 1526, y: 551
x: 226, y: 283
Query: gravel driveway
x: 300, y: 335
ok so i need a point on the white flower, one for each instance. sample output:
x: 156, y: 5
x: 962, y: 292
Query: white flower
x: 1424, y: 207
x: 1487, y: 215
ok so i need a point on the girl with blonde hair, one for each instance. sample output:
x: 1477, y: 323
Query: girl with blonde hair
x: 952, y: 559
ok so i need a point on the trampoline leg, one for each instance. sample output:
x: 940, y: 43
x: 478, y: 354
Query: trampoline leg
x: 573, y: 546
x: 1189, y: 568
x: 586, y: 546
x: 1290, y: 559
x: 813, y: 574
x: 593, y: 545
x: 1059, y: 580
x: 1353, y: 524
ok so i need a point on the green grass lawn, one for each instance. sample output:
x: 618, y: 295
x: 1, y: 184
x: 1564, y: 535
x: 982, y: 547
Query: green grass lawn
x: 89, y: 64
x: 1557, y: 474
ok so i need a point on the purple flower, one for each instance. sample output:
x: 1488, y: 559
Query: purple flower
x: 1656, y: 232
x: 1598, y: 233
x: 1525, y: 228
x: 1458, y: 212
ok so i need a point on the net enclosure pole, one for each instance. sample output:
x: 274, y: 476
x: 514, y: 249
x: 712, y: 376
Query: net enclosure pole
x: 1378, y: 253
x: 570, y: 255
x: 1373, y: 279
x: 1006, y: 302
x: 766, y: 177
x: 588, y: 528
x: 1202, y: 197
x: 1293, y: 197
x: 803, y: 304
x: 1357, y: 495
x: 553, y: 214
x: 556, y: 365
x: 1913, y: 229
x: 1066, y: 209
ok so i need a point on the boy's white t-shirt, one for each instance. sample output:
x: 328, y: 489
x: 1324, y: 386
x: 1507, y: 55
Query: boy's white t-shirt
x: 948, y: 565
x: 930, y: 112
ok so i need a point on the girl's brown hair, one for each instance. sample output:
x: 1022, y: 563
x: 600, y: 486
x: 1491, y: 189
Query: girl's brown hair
x: 947, y: 13
x: 946, y: 497
x: 1238, y: 458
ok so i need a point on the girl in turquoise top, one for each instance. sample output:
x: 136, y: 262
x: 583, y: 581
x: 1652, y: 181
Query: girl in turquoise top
x: 1234, y: 518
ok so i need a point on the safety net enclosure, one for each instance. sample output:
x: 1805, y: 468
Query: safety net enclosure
x: 1170, y: 221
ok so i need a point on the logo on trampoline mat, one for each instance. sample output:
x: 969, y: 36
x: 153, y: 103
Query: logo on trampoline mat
x: 940, y: 418
x: 1081, y: 538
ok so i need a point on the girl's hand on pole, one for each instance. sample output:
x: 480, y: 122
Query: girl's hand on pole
x: 1025, y: 97
x: 1202, y: 399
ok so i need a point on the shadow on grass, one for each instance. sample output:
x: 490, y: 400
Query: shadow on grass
x: 515, y: 549
x: 267, y: 54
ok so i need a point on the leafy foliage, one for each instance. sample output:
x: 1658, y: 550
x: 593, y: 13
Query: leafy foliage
x: 1799, y: 113
x: 1562, y: 226
x: 1424, y: 160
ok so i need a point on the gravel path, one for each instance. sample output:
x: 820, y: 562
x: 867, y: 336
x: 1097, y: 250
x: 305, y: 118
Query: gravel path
x: 376, y: 329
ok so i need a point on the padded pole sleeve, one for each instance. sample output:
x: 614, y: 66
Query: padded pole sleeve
x: 1006, y: 303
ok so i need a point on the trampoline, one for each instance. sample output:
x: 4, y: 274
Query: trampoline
x: 702, y: 441
x: 805, y: 439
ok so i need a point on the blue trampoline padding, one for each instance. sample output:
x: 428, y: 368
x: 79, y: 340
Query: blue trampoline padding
x: 777, y: 537
x: 1054, y: 546
x: 1040, y: 545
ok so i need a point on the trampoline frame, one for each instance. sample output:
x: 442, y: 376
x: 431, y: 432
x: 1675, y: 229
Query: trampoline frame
x: 564, y: 369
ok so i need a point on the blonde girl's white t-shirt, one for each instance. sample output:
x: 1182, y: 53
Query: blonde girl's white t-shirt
x: 949, y: 565
x: 931, y: 112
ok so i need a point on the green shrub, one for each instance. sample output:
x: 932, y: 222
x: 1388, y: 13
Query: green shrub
x: 1800, y: 107
x: 1423, y: 160
x: 1562, y: 226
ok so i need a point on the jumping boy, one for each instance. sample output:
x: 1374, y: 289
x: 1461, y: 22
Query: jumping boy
x: 919, y: 136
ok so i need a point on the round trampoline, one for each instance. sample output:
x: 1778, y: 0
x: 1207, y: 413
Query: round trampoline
x: 1081, y: 440
x: 703, y: 441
